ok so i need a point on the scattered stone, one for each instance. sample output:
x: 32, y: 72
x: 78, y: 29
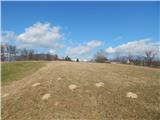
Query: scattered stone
x: 131, y: 95
x: 35, y: 84
x: 5, y: 95
x: 99, y: 84
x: 72, y: 87
x: 59, y: 78
x: 56, y: 103
x: 46, y: 96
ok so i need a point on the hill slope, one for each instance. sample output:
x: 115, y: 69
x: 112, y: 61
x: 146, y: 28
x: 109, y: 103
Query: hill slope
x: 86, y: 91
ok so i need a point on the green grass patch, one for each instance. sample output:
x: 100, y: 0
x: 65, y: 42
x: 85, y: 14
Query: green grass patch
x: 11, y: 71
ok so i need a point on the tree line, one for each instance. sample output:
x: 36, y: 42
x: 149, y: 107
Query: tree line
x: 149, y: 58
x: 12, y: 53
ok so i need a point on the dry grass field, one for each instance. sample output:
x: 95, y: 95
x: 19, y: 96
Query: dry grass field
x: 84, y: 91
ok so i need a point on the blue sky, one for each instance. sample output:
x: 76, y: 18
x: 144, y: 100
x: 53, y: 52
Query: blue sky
x: 83, y: 24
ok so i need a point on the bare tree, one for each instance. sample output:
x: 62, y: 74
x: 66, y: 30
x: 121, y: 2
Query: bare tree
x: 130, y: 57
x: 13, y: 51
x: 2, y: 52
x: 100, y: 56
x: 55, y: 57
x: 24, y: 54
x: 30, y: 54
x: 150, y: 55
x: 48, y: 56
x: 117, y: 56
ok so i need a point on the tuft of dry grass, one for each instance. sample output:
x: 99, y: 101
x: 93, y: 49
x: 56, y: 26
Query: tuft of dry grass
x: 86, y: 102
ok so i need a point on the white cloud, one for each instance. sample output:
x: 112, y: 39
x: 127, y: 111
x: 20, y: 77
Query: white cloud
x: 94, y: 43
x: 52, y: 51
x: 110, y: 50
x: 41, y: 35
x: 84, y: 48
x: 135, y: 47
x: 7, y: 36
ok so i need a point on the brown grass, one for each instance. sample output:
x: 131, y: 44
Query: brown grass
x: 86, y: 102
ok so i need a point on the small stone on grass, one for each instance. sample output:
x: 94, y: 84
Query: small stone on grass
x: 59, y: 78
x: 35, y: 84
x: 5, y: 95
x: 46, y: 96
x: 131, y: 95
x: 100, y: 84
x: 72, y: 87
x: 56, y: 103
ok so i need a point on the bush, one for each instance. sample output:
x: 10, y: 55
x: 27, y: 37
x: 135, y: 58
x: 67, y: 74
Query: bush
x: 67, y: 58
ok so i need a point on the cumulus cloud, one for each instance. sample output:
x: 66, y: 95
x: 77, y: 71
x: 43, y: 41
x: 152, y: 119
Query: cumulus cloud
x: 52, y: 51
x: 41, y: 35
x: 84, y: 48
x: 110, y: 50
x: 7, y: 36
x: 137, y: 47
